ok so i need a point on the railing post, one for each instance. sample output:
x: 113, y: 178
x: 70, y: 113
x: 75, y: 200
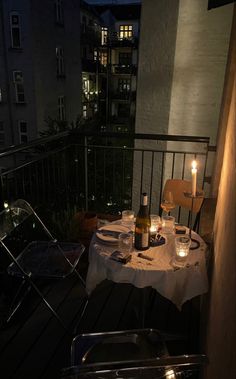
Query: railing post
x: 86, y: 171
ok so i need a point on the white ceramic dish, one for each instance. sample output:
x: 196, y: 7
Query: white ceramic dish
x: 110, y: 239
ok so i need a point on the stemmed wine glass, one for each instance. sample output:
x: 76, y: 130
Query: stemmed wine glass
x: 167, y: 202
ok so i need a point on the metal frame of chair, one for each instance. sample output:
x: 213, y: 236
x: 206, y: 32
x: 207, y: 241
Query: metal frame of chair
x: 10, y: 218
x: 154, y: 361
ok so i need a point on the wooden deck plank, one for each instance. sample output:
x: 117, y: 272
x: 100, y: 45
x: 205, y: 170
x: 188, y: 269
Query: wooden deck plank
x: 39, y: 357
x: 32, y: 330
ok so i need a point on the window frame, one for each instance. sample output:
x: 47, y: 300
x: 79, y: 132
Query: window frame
x: 59, y: 11
x: 18, y: 83
x: 23, y: 134
x: 60, y: 61
x: 61, y: 108
x: 16, y: 27
x: 124, y: 85
x: 125, y: 31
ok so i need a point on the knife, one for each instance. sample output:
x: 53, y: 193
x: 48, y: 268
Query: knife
x: 108, y: 233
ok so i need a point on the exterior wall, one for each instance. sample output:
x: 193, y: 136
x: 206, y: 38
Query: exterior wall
x: 19, y: 59
x: 37, y: 60
x: 199, y: 68
x: 48, y: 86
x: 154, y: 81
x: 221, y: 326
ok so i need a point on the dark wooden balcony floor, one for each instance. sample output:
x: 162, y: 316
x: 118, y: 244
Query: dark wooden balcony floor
x: 35, y: 345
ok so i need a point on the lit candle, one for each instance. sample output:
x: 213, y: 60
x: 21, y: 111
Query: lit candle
x: 182, y: 253
x: 194, y: 178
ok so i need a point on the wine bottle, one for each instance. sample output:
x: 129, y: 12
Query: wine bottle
x: 142, y: 226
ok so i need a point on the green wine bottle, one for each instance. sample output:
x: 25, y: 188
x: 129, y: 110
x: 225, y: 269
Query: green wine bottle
x: 142, y: 226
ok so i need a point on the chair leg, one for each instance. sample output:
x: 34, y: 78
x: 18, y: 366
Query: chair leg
x: 27, y: 277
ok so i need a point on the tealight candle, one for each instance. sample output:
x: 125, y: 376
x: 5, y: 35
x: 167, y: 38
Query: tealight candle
x: 155, y: 224
x: 182, y: 245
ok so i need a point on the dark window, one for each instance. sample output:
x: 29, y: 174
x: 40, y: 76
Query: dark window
x: 125, y: 58
x: 124, y: 85
x: 15, y: 30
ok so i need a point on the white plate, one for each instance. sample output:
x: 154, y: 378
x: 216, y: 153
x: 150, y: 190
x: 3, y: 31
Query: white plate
x: 111, y: 227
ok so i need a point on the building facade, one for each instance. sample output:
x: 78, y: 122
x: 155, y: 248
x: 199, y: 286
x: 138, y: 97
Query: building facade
x: 40, y: 67
x: 109, y: 64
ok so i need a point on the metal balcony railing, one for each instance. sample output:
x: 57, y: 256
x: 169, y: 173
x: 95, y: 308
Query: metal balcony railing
x: 105, y: 172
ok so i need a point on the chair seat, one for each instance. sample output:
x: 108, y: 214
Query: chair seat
x: 47, y: 259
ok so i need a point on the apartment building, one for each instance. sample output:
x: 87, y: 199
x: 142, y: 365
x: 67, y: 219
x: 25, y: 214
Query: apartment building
x: 110, y: 78
x: 40, y: 66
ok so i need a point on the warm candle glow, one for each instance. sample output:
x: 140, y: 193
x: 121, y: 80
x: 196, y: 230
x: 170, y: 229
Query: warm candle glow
x: 194, y: 178
x: 182, y: 253
x: 153, y: 229
x: 194, y: 164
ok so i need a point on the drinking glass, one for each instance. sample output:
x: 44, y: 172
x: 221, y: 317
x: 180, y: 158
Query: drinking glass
x: 155, y: 224
x: 168, y: 224
x: 182, y: 245
x: 125, y: 242
x: 128, y: 219
x: 167, y: 202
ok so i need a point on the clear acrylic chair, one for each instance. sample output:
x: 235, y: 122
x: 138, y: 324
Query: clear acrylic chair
x: 31, y: 258
x: 139, y: 353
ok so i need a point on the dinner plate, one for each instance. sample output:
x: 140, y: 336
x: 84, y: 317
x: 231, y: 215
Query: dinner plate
x: 110, y: 239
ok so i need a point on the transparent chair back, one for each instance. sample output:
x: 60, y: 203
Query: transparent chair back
x: 31, y: 257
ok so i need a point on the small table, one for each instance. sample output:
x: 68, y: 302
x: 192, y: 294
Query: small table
x: 176, y: 284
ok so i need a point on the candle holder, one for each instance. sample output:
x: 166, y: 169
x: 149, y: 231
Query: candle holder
x: 198, y: 195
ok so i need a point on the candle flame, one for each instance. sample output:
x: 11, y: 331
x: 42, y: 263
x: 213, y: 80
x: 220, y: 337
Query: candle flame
x: 194, y: 164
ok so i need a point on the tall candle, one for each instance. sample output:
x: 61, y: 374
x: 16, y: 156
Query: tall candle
x: 194, y: 178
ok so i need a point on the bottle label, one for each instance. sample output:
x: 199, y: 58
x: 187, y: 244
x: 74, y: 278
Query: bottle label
x: 145, y: 240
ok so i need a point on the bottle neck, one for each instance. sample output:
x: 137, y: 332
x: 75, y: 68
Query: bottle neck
x: 144, y: 200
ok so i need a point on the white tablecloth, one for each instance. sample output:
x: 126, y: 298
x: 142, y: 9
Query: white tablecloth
x: 177, y: 285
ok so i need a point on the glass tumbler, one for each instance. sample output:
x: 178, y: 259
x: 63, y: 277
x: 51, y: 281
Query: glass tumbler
x: 125, y: 242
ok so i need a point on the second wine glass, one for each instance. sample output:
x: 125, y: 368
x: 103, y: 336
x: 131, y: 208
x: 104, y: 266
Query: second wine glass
x: 167, y: 202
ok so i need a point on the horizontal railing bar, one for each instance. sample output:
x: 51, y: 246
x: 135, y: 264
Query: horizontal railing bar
x: 139, y: 149
x: 134, y: 136
x: 36, y: 142
x: 143, y: 136
x: 39, y: 158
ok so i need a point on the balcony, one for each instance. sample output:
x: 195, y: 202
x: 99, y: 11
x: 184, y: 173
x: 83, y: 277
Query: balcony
x: 72, y: 168
x: 127, y: 69
x: 103, y: 173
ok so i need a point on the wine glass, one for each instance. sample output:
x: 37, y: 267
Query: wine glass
x: 167, y: 202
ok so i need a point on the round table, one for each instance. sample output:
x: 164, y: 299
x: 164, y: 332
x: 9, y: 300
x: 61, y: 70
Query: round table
x: 174, y: 283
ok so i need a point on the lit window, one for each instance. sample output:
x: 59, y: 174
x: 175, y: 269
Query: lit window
x: 84, y: 111
x: 60, y: 61
x: 126, y: 31
x: 124, y: 85
x: 61, y: 108
x: 86, y: 85
x: 95, y: 109
x: 59, y: 11
x: 104, y: 34
x: 22, y: 126
x: 19, y: 86
x: 103, y: 58
x: 15, y: 30
x: 2, y: 134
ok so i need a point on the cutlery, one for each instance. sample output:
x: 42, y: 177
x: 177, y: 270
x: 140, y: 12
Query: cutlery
x: 108, y: 233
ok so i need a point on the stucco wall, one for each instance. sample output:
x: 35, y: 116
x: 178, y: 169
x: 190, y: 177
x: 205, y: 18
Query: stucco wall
x: 221, y: 325
x: 200, y: 59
